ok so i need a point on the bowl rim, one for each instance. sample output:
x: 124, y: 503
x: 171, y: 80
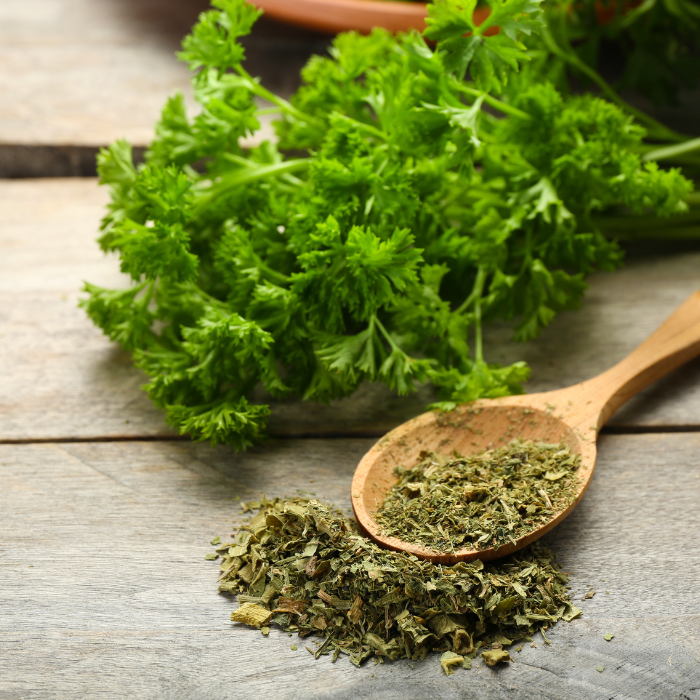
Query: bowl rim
x: 333, y: 16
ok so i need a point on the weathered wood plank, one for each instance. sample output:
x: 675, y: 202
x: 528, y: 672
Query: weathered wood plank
x: 83, y: 73
x: 77, y: 74
x: 63, y: 379
x: 105, y: 590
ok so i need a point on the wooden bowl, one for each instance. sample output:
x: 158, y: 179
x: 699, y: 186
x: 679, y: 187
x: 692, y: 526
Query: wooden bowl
x: 333, y: 16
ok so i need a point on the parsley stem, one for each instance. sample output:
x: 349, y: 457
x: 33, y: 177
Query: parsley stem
x: 478, y: 292
x: 656, y: 129
x: 368, y: 128
x: 260, y: 91
x: 494, y: 102
x: 466, y: 303
x: 672, y: 151
x: 247, y: 174
x: 148, y: 295
x: 680, y: 226
x: 374, y: 320
x: 190, y: 288
x: 274, y: 276
x: 660, y: 233
x: 288, y: 107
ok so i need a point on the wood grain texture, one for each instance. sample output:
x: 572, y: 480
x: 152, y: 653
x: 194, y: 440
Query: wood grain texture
x: 86, y: 72
x: 77, y: 74
x: 106, y: 592
x: 57, y: 364
x: 64, y: 380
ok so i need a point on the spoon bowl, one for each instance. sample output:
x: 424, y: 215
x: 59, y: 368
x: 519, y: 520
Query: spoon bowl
x: 572, y: 416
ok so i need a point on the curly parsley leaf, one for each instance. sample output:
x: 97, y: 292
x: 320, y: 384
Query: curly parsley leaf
x: 213, y: 42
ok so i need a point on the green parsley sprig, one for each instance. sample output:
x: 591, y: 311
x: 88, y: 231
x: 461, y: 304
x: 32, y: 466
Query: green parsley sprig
x: 439, y: 190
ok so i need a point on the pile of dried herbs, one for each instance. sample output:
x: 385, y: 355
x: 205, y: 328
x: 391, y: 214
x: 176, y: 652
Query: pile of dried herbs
x: 302, y: 565
x: 485, y: 500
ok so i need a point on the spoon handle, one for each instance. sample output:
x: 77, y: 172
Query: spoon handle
x: 675, y: 342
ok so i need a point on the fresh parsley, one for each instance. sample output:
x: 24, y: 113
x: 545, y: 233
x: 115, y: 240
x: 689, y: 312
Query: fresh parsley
x: 440, y: 186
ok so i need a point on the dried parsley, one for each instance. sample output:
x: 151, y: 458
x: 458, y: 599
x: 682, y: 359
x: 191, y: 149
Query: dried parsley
x: 252, y: 614
x: 480, y: 501
x: 495, y: 656
x: 301, y: 565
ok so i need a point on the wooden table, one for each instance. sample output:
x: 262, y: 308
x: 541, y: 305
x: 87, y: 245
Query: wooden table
x: 105, y: 514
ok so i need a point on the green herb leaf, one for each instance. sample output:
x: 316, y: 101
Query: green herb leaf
x: 489, y: 59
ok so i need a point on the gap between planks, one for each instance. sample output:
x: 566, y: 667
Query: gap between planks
x: 311, y: 435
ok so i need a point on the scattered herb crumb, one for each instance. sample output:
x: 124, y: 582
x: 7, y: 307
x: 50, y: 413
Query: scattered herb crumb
x: 449, y: 660
x: 216, y: 540
x: 600, y: 669
x: 608, y: 637
x: 251, y: 614
x: 495, y: 656
x: 211, y: 556
x: 588, y: 595
x: 293, y: 647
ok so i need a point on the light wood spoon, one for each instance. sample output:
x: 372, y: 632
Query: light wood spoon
x: 573, y: 416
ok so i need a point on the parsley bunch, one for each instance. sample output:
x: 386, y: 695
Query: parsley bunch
x: 436, y: 190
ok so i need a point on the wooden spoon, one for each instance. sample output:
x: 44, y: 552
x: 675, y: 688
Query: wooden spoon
x: 573, y: 416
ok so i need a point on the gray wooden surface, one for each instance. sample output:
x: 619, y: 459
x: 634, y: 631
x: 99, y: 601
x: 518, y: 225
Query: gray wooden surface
x: 77, y: 74
x: 105, y: 517
x: 106, y: 592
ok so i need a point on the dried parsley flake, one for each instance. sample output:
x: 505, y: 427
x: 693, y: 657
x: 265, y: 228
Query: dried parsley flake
x: 495, y: 656
x: 480, y: 501
x: 301, y: 565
